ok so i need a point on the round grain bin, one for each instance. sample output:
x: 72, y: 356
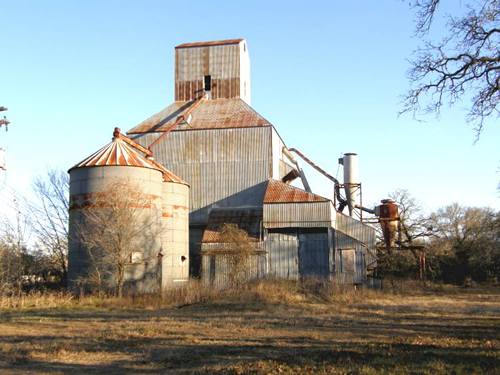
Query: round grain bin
x: 121, y: 174
x: 175, y: 237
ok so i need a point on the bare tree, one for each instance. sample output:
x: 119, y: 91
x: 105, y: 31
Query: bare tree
x: 465, y: 63
x: 13, y: 251
x: 238, y: 251
x: 119, y: 224
x: 414, y: 228
x: 49, y: 218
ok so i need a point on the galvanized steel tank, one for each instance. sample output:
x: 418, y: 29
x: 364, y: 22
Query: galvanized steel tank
x: 351, y: 181
x: 163, y: 256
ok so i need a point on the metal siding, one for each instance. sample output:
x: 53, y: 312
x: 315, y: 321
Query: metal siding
x: 344, y: 242
x: 277, y: 147
x: 303, y: 215
x: 204, y: 114
x: 283, y: 256
x: 216, y: 267
x: 355, y: 229
x: 314, y: 255
x: 221, y: 62
x: 220, y: 165
x: 360, y: 232
x: 92, y: 181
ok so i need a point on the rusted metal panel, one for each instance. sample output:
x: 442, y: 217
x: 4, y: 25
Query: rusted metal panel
x: 279, y: 192
x: 115, y: 153
x: 210, y: 114
x: 222, y: 61
x: 124, y: 152
x: 298, y: 215
x: 209, y: 43
x: 388, y: 216
x: 225, y: 167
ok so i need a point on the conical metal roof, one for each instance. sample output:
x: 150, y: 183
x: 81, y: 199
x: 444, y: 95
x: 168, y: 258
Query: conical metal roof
x: 124, y: 152
x: 115, y: 153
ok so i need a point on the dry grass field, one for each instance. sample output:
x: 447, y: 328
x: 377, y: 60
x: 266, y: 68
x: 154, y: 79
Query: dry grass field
x: 266, y: 328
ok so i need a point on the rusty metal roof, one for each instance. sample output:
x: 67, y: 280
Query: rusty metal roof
x: 123, y: 151
x: 248, y: 219
x: 210, y: 43
x: 279, y: 192
x: 209, y: 114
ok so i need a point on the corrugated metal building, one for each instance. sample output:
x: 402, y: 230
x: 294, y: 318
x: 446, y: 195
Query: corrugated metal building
x: 234, y: 161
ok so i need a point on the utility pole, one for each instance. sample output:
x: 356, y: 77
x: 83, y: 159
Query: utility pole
x: 3, y: 122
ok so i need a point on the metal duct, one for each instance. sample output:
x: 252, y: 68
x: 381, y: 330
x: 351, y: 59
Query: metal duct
x: 351, y: 181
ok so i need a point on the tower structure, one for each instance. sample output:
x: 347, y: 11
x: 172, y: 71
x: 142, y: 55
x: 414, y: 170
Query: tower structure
x: 240, y: 172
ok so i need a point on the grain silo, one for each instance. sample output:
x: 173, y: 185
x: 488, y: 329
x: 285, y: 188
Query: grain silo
x: 146, y: 206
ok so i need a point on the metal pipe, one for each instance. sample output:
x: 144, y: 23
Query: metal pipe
x: 312, y: 164
x: 370, y: 211
x: 179, y: 119
x: 342, y: 201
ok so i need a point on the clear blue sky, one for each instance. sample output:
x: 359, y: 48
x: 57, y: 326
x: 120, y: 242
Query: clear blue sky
x: 328, y: 75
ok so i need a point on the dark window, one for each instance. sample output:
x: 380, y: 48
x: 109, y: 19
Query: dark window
x: 207, y: 83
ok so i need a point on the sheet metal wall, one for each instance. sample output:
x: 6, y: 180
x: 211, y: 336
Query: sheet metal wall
x: 295, y: 253
x: 223, y: 166
x: 314, y: 255
x: 359, y: 231
x: 228, y: 65
x: 355, y: 229
x: 89, y: 181
x: 303, y: 215
x: 283, y: 255
x: 292, y: 254
x: 216, y: 267
x: 281, y: 163
x: 345, y: 242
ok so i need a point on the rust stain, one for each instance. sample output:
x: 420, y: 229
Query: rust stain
x: 209, y: 43
x: 210, y: 114
x: 124, y: 152
x: 175, y: 207
x: 99, y: 200
x: 279, y: 192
